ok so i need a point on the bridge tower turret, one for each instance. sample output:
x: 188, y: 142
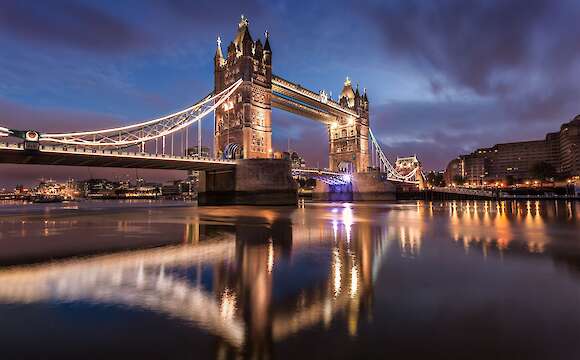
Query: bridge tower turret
x: 349, y: 136
x: 243, y: 124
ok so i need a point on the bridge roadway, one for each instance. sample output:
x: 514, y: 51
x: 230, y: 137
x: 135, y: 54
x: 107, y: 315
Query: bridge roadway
x: 72, y: 156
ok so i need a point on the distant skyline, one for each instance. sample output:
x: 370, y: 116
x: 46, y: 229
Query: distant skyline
x: 443, y: 77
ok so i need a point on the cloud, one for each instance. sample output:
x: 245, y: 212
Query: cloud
x: 523, y: 54
x: 438, y: 131
x: 23, y: 117
x: 68, y: 23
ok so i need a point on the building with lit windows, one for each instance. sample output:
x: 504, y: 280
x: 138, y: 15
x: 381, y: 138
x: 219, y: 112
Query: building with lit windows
x: 516, y: 159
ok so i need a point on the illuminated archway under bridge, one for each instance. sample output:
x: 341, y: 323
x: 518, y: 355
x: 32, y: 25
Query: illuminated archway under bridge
x: 326, y: 176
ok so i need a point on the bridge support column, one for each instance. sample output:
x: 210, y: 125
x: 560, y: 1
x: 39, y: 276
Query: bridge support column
x: 372, y: 186
x: 251, y: 182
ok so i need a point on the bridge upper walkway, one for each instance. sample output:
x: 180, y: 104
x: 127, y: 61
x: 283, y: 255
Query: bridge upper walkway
x: 297, y: 99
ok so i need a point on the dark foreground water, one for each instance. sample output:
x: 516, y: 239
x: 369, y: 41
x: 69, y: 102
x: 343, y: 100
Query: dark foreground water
x: 164, y: 280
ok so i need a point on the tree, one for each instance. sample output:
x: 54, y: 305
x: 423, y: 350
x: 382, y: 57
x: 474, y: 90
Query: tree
x: 543, y: 171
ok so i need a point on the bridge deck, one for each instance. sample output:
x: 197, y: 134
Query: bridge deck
x: 70, y: 156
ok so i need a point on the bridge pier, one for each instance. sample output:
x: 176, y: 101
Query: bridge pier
x: 372, y: 186
x: 367, y: 186
x: 251, y: 182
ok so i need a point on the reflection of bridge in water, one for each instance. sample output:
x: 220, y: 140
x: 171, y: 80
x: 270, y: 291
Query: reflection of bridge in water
x: 136, y: 279
x: 249, y: 253
x: 238, y: 307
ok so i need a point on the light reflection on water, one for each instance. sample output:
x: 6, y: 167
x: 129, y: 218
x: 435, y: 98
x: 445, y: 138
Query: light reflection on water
x: 351, y: 278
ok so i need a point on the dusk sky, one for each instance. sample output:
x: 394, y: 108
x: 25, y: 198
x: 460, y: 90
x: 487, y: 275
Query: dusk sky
x: 443, y: 77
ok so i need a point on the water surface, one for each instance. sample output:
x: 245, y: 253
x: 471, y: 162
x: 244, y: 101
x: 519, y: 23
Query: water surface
x: 169, y: 280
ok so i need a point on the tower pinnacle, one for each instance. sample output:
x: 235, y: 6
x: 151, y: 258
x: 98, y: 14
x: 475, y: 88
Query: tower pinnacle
x: 218, y: 50
x: 243, y: 21
x: 267, y: 43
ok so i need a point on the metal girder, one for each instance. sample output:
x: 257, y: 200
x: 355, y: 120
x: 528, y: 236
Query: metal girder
x: 328, y: 177
x: 290, y: 105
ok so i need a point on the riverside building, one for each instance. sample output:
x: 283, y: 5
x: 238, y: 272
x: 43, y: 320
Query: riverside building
x: 516, y: 159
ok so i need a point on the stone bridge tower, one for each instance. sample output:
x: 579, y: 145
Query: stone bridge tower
x: 349, y: 137
x: 243, y: 124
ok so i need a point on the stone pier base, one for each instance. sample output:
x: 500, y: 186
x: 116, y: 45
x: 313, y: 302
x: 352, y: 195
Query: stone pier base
x: 251, y: 182
x: 372, y: 186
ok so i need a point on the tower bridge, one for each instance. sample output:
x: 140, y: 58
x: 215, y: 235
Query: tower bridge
x: 245, y: 91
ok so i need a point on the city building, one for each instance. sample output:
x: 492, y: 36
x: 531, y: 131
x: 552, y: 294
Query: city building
x: 515, y: 160
x: 454, y: 170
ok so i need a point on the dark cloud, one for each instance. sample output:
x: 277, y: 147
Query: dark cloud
x: 208, y: 12
x: 438, y: 131
x: 523, y: 53
x: 17, y: 116
x: 466, y: 40
x: 69, y: 23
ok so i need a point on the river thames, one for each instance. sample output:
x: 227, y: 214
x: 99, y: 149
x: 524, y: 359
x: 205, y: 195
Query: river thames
x: 170, y: 280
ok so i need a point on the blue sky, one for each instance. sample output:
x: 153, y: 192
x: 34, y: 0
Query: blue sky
x: 443, y: 77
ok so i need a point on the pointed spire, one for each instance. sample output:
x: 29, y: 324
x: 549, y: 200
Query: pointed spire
x: 267, y: 43
x: 258, y: 49
x: 243, y: 21
x: 243, y: 33
x: 347, y: 81
x: 357, y: 93
x: 231, y: 48
x: 218, y: 51
x: 247, y: 37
